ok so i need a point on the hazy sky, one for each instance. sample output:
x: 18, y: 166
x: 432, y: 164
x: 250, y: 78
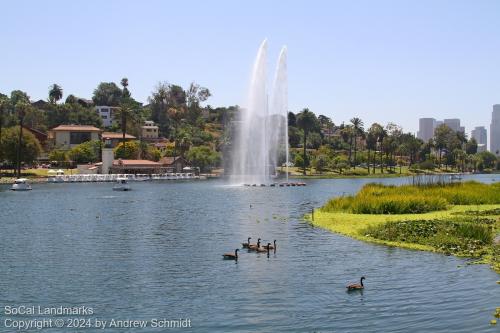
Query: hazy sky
x: 378, y: 60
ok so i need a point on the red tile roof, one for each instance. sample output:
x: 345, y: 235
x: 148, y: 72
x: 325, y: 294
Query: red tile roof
x: 115, y: 135
x: 121, y: 162
x: 76, y: 128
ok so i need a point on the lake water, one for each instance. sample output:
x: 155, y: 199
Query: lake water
x: 155, y: 252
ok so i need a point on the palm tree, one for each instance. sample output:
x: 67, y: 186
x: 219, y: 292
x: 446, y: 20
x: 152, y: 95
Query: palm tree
x: 357, y: 124
x: 55, y: 93
x: 306, y: 120
x: 371, y: 144
x: 125, y: 110
x: 125, y: 91
x: 347, y: 134
x: 124, y: 113
x: 379, y: 133
x: 21, y: 109
x: 3, y: 106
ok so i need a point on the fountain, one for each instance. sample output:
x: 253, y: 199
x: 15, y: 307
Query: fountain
x: 261, y: 132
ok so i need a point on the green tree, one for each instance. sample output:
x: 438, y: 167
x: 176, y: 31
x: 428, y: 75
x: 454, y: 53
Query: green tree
x: 17, y: 96
x: 125, y: 91
x: 471, y: 146
x: 298, y: 161
x: 168, y: 101
x: 314, y: 140
x: 87, y: 152
x: 346, y: 132
x: 306, y: 120
x: 58, y: 156
x: 294, y: 136
x: 71, y: 99
x: 357, y: 126
x: 320, y: 163
x: 107, y: 93
x: 55, y: 93
x: 442, y: 135
x: 194, y: 96
x: 10, y: 142
x: 125, y: 109
x: 127, y: 150
x: 411, y: 146
x: 380, y: 133
x: 4, y: 104
x: 326, y: 123
x: 339, y: 163
x: 203, y: 157
x: 22, y: 108
x: 371, y: 145
x: 292, y: 119
x: 487, y: 159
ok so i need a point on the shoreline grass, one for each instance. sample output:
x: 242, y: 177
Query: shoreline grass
x: 409, y: 199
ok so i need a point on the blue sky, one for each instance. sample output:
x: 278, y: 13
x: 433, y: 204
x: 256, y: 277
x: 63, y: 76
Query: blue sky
x: 378, y: 60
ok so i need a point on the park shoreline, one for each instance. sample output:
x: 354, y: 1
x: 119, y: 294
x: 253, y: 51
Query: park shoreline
x: 355, y: 226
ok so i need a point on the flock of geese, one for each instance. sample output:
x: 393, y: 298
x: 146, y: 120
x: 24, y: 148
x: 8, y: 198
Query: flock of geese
x: 261, y: 249
x: 251, y: 248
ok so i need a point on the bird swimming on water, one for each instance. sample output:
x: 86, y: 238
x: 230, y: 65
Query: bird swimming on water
x: 253, y: 247
x: 231, y: 256
x: 247, y: 244
x: 271, y: 247
x: 356, y: 286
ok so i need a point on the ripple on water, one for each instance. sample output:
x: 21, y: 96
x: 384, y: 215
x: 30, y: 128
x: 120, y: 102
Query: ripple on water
x: 156, y: 251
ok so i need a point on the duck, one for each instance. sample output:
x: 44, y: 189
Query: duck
x: 247, y: 244
x: 271, y: 247
x: 231, y: 256
x: 356, y: 286
x: 264, y: 249
x: 253, y: 247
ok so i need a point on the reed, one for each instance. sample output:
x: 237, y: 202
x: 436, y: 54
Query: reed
x: 414, y: 199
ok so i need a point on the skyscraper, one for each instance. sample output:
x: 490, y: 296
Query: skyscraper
x: 454, y: 124
x: 495, y: 130
x: 426, y: 128
x: 480, y: 134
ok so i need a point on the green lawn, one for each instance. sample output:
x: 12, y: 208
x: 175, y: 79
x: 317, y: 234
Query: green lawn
x: 351, y: 173
x: 35, y: 173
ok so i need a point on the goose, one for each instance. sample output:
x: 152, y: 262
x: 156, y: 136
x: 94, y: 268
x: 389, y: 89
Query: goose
x: 231, y: 256
x: 264, y: 249
x: 271, y: 247
x: 247, y: 244
x: 356, y: 286
x: 253, y: 247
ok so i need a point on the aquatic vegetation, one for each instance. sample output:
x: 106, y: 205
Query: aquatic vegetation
x: 488, y: 212
x: 470, y: 238
x: 414, y: 199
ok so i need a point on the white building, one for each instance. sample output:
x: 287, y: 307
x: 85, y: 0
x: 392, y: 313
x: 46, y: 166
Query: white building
x: 107, y: 114
x: 480, y: 134
x: 495, y: 130
x: 149, y: 130
x: 426, y: 128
